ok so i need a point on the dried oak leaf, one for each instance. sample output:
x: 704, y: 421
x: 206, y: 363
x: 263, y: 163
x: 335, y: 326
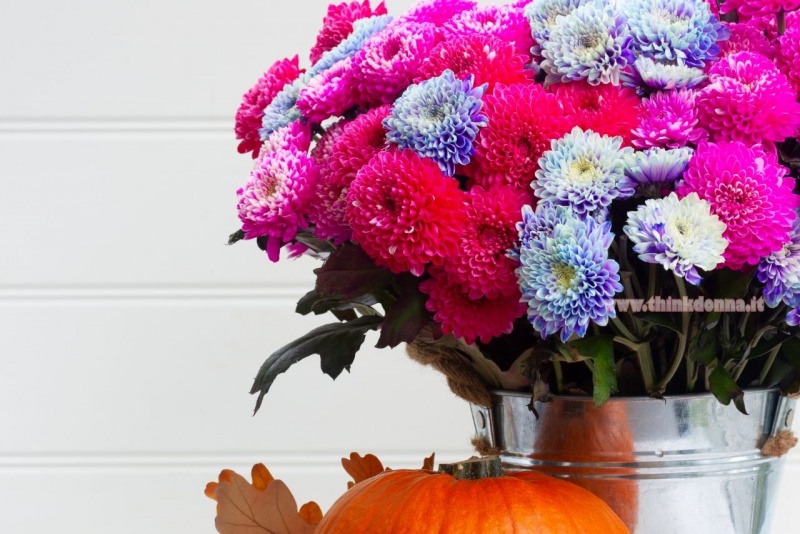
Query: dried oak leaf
x: 264, y: 507
x: 361, y: 467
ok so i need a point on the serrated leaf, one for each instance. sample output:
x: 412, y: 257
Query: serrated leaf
x: 349, y: 273
x: 361, y: 467
x: 725, y: 389
x: 336, y: 343
x: 407, y: 316
x: 314, y: 302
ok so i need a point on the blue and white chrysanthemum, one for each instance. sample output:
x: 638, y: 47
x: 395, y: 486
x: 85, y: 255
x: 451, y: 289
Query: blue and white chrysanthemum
x: 780, y: 274
x: 584, y: 171
x: 539, y: 225
x: 567, y: 278
x: 282, y: 111
x: 680, y: 235
x: 654, y: 171
x: 680, y: 32
x: 592, y: 43
x: 363, y: 29
x: 647, y: 75
x: 542, y: 15
x: 438, y: 119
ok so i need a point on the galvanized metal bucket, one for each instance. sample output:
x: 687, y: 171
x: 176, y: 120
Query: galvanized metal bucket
x: 675, y: 466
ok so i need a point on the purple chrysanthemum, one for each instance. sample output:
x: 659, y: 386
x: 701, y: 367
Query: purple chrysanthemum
x: 568, y: 280
x: 680, y: 235
x: 438, y: 119
x: 646, y: 76
x: 436, y: 11
x: 656, y: 170
x: 669, y: 120
x: 788, y: 56
x: 780, y: 271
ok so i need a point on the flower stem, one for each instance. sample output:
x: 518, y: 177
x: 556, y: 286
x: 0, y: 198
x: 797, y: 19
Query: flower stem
x: 683, y: 337
x: 645, y: 357
x: 780, y: 21
x: 773, y: 354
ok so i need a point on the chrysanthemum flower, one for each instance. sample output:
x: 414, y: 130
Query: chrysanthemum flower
x: 359, y: 140
x: 646, y: 76
x: 681, y: 32
x: 388, y: 63
x: 507, y: 22
x: 523, y: 119
x: 482, y: 264
x: 438, y: 119
x: 788, y: 56
x: 404, y: 212
x: 488, y: 59
x: 749, y: 190
x: 274, y: 201
x: 656, y: 170
x: 542, y: 15
x: 756, y: 8
x: 465, y: 317
x: 568, y: 280
x: 669, y: 120
x: 329, y: 94
x: 338, y: 24
x: 436, y: 11
x: 606, y: 109
x: 746, y: 38
x: 584, y: 171
x: 680, y: 235
x: 296, y: 136
x: 591, y: 43
x: 780, y: 271
x: 363, y: 31
x: 282, y: 110
x: 248, y: 116
x: 537, y: 226
x: 748, y: 99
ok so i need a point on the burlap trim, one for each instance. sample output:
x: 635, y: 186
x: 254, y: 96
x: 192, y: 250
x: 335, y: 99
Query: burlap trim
x: 779, y: 444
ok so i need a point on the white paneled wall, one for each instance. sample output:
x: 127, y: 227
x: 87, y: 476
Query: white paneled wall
x: 129, y: 333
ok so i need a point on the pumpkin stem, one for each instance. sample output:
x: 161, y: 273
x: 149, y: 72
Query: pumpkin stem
x: 475, y: 468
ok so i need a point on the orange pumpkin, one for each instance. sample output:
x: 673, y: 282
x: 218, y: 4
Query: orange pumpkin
x: 421, y: 501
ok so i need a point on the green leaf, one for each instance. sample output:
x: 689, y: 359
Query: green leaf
x: 336, y: 343
x: 600, y: 350
x: 319, y: 246
x: 407, y: 316
x: 728, y: 284
x: 238, y: 235
x: 659, y: 319
x: 349, y: 273
x: 319, y: 304
x: 725, y: 389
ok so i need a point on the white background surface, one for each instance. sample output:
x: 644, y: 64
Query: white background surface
x: 130, y: 333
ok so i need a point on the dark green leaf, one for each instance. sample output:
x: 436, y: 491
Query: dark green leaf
x: 659, y: 319
x: 336, y: 343
x: 317, y: 245
x: 728, y: 284
x: 238, y: 235
x: 725, y: 389
x: 319, y: 304
x: 600, y: 350
x: 349, y: 273
x: 407, y: 316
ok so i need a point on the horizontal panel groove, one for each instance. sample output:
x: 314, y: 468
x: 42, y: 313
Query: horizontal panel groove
x: 117, y: 125
x: 32, y: 295
x: 315, y: 461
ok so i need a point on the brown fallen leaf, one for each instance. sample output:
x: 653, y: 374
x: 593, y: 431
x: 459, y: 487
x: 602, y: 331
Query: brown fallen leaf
x: 361, y: 467
x: 264, y: 507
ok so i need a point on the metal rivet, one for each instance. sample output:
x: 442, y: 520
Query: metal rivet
x: 789, y: 418
x: 481, y: 420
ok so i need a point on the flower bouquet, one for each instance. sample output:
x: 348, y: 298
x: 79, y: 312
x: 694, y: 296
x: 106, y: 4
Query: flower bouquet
x: 565, y: 196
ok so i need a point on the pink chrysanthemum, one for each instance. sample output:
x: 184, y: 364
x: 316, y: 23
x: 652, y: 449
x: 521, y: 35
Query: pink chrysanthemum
x: 404, y: 212
x: 359, y: 141
x: 758, y: 8
x: 507, y: 23
x: 248, y: 116
x: 669, y: 120
x: 436, y: 11
x: 523, y: 120
x: 489, y: 59
x: 326, y: 210
x: 274, y: 201
x: 469, y: 318
x: 749, y: 191
x: 389, y: 61
x: 788, y: 56
x: 606, y: 109
x: 748, y: 99
x: 338, y: 24
x: 296, y: 137
x: 329, y: 94
x: 745, y: 38
x: 482, y: 264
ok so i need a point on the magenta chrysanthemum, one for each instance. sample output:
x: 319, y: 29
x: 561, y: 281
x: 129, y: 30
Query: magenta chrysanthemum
x: 669, y: 120
x: 748, y: 99
x: 390, y: 60
x: 507, y: 23
x: 338, y: 24
x: 274, y: 201
x: 758, y: 8
x: 788, y: 56
x: 329, y: 94
x: 749, y: 191
x: 488, y: 59
x: 465, y: 317
x: 248, y: 116
x: 436, y: 11
x: 606, y: 109
x: 523, y: 119
x: 359, y: 141
x: 482, y: 265
x: 404, y: 212
x: 745, y: 38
